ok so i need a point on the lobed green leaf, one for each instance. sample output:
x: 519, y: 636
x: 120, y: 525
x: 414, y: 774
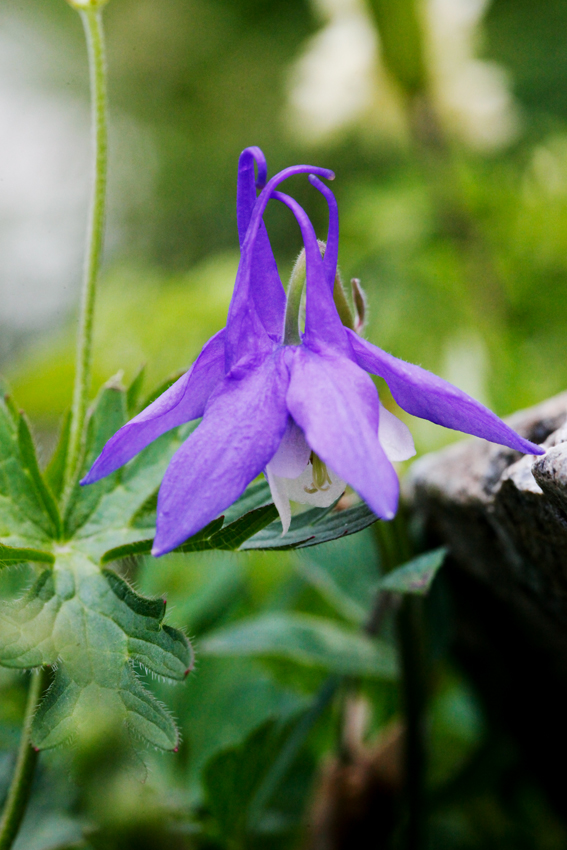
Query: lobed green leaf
x: 25, y: 504
x: 55, y: 470
x: 94, y: 627
x: 11, y: 555
x: 31, y: 467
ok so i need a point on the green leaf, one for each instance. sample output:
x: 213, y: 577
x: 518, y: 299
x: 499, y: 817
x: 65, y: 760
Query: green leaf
x: 31, y: 466
x: 417, y: 575
x: 215, y: 535
x: 255, y: 496
x: 313, y: 527
x: 94, y: 627
x: 24, y: 521
x: 6, y: 396
x: 304, y: 639
x: 10, y: 555
x: 106, y: 417
x: 346, y: 572
x: 234, y: 776
x: 226, y: 700
x: 123, y: 514
x: 144, y: 547
x: 134, y: 390
x: 55, y: 471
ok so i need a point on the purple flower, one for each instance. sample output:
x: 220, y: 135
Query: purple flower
x: 299, y: 407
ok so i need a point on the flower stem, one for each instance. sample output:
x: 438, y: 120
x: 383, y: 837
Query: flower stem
x: 411, y: 632
x: 92, y: 22
x: 396, y: 548
x: 293, y: 303
x: 22, y: 780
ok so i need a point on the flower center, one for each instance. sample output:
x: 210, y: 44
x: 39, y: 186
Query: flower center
x: 321, y: 478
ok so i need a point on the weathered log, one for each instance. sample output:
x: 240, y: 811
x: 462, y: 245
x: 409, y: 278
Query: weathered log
x: 504, y: 519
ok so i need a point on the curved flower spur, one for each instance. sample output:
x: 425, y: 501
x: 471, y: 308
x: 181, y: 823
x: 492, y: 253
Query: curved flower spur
x: 298, y: 406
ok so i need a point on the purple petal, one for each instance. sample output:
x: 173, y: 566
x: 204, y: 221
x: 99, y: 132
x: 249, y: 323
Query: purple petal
x: 323, y: 326
x: 424, y: 394
x: 181, y: 403
x: 337, y: 406
x: 243, y: 425
x: 332, y: 249
x: 246, y: 337
x: 265, y: 284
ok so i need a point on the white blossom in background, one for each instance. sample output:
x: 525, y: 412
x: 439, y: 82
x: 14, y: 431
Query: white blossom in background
x: 333, y: 83
x: 340, y: 81
x: 472, y: 95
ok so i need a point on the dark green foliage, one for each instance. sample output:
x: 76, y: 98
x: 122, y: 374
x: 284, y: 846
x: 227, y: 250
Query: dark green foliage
x: 416, y: 576
x: 233, y: 778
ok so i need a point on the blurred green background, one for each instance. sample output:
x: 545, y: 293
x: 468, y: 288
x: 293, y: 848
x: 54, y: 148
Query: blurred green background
x: 445, y: 122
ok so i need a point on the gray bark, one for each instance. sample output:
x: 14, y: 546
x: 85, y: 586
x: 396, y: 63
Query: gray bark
x: 504, y: 518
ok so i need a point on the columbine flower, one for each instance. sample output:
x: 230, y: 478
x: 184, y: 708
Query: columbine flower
x: 298, y: 406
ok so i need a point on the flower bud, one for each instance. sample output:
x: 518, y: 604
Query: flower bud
x: 360, y: 305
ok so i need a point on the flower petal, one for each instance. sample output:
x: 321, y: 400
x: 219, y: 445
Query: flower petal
x: 181, y: 403
x: 246, y: 337
x: 293, y: 453
x: 243, y: 425
x: 395, y: 436
x: 323, y: 326
x: 337, y: 407
x: 424, y: 394
x: 278, y: 489
x: 332, y: 245
x: 302, y: 489
x: 265, y: 284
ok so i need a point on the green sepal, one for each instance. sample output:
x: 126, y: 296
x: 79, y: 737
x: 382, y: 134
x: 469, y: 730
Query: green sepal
x: 43, y: 493
x: 11, y: 555
x: 232, y: 536
x: 55, y: 470
x: 417, y: 575
x: 312, y: 527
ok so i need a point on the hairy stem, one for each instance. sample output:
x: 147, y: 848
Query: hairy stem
x: 92, y: 21
x: 20, y: 789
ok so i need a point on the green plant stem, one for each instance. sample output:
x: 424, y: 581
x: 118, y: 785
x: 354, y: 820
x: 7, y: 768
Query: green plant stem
x: 20, y: 789
x: 92, y: 22
x: 293, y: 303
x: 411, y: 636
x: 395, y: 549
